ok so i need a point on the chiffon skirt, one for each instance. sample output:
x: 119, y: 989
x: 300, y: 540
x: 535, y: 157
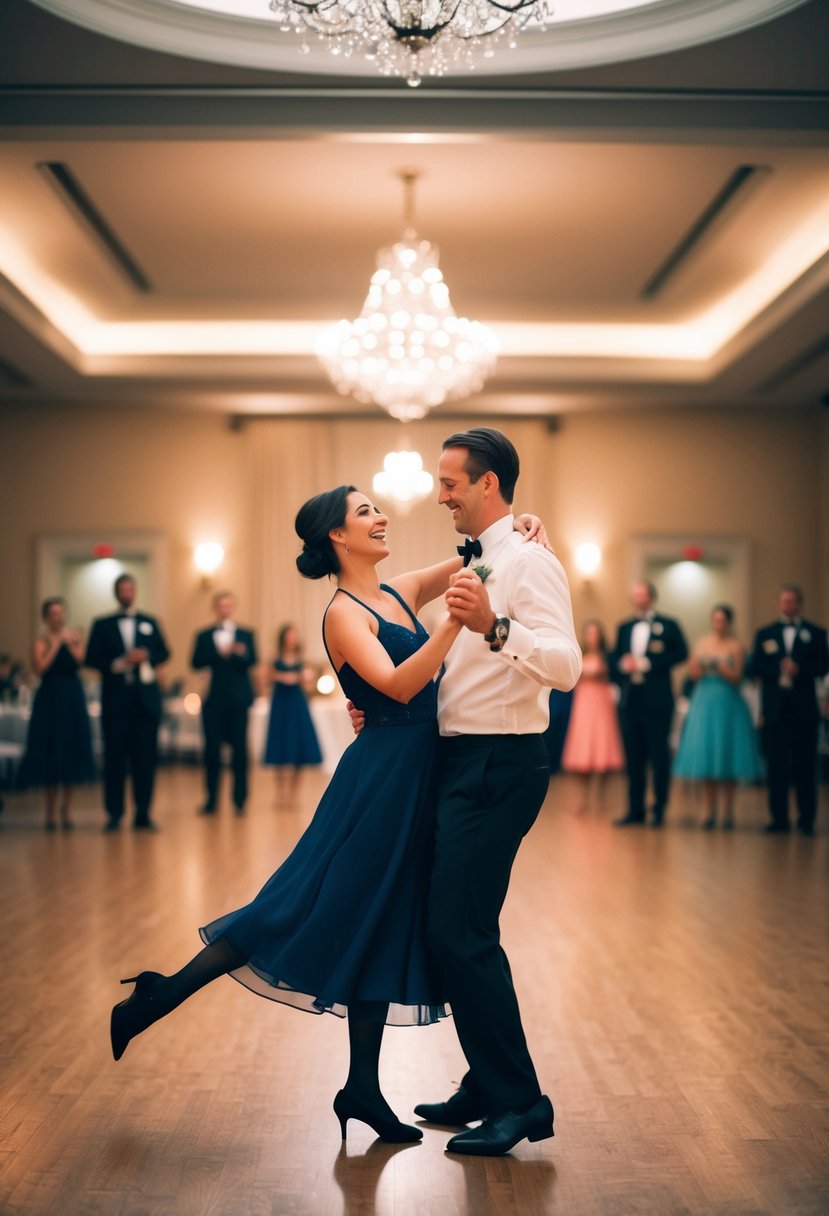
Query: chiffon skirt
x: 718, y: 741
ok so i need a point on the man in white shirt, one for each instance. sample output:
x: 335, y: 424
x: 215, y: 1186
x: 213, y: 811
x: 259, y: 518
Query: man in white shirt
x: 518, y: 642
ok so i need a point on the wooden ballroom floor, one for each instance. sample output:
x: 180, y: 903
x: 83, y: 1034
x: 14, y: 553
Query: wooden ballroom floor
x: 673, y: 986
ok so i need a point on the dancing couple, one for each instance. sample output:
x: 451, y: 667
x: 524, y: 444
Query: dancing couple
x: 387, y: 909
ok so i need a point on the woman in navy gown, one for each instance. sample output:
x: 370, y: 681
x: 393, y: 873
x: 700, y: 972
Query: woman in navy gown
x: 59, y: 742
x: 292, y: 742
x: 340, y: 926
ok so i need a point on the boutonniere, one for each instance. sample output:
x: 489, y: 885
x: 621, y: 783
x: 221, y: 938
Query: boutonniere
x: 483, y: 571
x: 145, y: 627
x: 656, y: 627
x: 805, y: 636
x: 770, y: 646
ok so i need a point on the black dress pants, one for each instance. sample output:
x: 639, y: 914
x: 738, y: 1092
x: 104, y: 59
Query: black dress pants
x: 645, y: 734
x: 226, y: 721
x: 130, y: 745
x: 490, y: 790
x: 790, y: 747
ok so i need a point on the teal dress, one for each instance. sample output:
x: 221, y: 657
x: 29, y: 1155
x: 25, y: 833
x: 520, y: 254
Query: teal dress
x: 718, y: 742
x: 343, y: 919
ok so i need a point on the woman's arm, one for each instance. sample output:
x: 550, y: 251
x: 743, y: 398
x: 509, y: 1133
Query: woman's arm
x: 732, y: 666
x: 351, y: 639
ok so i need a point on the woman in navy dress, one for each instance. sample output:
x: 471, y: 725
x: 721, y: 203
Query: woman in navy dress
x: 340, y: 926
x: 59, y: 742
x: 292, y: 742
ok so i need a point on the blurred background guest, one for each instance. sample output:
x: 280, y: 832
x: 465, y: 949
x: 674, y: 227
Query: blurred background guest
x: 58, y: 751
x: 11, y: 678
x: 647, y: 646
x: 292, y: 742
x: 229, y: 651
x: 788, y: 657
x: 718, y: 745
x: 126, y: 648
x: 594, y: 743
x: 560, y: 705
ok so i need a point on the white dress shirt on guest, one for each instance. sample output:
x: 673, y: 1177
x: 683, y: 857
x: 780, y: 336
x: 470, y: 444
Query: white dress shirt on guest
x: 506, y: 692
x: 224, y: 637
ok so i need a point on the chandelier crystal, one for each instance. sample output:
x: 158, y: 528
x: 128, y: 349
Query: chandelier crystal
x: 407, y: 351
x: 411, y: 38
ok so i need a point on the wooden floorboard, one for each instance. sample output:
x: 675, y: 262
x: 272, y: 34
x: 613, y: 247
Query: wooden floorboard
x: 674, y: 987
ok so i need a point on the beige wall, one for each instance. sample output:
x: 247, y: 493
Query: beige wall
x: 761, y: 476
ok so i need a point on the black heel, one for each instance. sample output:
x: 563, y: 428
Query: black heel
x: 392, y: 1131
x: 140, y: 1009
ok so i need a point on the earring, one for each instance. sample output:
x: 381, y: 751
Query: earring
x: 347, y: 549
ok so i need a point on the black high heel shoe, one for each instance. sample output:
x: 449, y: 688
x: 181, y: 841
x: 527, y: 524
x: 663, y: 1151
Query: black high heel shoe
x: 391, y: 1130
x: 136, y: 1013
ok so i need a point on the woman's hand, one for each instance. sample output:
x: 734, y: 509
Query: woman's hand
x: 531, y: 528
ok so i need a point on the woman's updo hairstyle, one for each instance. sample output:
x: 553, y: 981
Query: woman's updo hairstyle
x: 315, y: 519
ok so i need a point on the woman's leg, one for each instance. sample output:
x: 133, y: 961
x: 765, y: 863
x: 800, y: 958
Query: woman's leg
x: 728, y: 789
x: 710, y: 794
x: 51, y: 807
x: 66, y: 806
x: 366, y: 1023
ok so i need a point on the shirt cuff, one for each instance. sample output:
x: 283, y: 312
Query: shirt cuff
x: 521, y: 642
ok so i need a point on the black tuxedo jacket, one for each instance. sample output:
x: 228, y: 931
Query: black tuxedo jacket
x: 811, y: 654
x: 666, y: 648
x: 106, y: 645
x: 230, y: 676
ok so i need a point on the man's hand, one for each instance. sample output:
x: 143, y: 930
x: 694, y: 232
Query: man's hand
x: 468, y: 602
x: 532, y: 529
x: 137, y: 656
x: 628, y: 664
x: 358, y: 718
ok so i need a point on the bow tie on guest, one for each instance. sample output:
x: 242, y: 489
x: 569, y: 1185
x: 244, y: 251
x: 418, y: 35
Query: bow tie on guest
x: 469, y: 549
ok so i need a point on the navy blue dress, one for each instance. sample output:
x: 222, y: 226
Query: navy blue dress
x: 291, y: 739
x: 343, y: 918
x: 59, y: 740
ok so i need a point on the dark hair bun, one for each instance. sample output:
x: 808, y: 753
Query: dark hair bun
x: 315, y: 519
x: 316, y: 561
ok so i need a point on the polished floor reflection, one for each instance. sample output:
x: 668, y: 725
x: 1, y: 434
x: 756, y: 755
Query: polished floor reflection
x: 673, y: 986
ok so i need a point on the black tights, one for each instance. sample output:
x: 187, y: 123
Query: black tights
x: 366, y: 1019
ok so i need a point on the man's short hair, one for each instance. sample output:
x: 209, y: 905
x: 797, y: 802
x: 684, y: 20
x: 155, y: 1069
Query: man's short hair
x: 122, y: 578
x: 489, y: 452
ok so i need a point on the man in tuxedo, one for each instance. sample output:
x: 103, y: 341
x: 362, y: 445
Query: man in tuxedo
x: 788, y: 656
x: 493, y: 708
x: 126, y: 648
x: 647, y: 646
x: 229, y: 651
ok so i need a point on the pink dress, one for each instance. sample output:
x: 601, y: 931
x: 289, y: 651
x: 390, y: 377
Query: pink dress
x: 593, y: 743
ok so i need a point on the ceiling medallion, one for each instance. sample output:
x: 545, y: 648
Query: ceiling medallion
x: 407, y: 351
x: 411, y: 38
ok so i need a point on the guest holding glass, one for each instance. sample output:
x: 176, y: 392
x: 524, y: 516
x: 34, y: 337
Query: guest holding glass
x: 292, y: 742
x: 594, y: 742
x: 718, y: 745
x: 58, y: 752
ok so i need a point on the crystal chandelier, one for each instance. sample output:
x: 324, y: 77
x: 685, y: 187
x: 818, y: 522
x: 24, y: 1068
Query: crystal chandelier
x: 407, y: 351
x: 411, y: 38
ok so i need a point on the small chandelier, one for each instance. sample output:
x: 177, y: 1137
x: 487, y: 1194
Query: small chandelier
x: 403, y: 479
x: 407, y: 351
x: 410, y: 37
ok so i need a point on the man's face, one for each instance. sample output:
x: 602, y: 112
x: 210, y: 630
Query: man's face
x: 463, y: 498
x: 641, y: 598
x: 125, y: 593
x: 225, y: 606
x: 789, y: 603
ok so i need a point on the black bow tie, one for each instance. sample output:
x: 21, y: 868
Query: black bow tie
x: 469, y: 549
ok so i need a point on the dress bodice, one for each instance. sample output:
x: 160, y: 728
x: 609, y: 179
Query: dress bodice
x: 399, y: 643
x: 63, y: 664
x: 281, y: 665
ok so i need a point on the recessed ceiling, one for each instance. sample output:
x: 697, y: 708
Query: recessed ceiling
x: 582, y: 33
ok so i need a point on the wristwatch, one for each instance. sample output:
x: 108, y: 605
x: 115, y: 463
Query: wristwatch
x: 498, y: 634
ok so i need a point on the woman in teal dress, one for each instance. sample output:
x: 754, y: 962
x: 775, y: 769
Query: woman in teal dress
x: 340, y: 926
x: 719, y: 744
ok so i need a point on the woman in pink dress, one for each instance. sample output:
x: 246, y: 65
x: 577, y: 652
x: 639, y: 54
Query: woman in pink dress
x: 593, y: 743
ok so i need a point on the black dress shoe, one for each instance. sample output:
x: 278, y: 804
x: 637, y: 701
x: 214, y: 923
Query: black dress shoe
x: 238, y: 808
x: 500, y: 1133
x: 805, y: 829
x: 457, y: 1111
x: 776, y: 829
x: 629, y: 820
x: 112, y: 825
x: 144, y: 825
x: 209, y: 808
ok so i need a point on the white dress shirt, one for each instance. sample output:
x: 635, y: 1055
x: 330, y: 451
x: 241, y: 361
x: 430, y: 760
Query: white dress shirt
x: 506, y: 692
x: 224, y: 636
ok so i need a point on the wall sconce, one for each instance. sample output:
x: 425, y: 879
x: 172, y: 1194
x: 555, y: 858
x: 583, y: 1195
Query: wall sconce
x: 587, y: 558
x: 208, y: 556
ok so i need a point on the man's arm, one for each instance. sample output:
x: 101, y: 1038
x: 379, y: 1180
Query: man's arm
x: 542, y: 641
